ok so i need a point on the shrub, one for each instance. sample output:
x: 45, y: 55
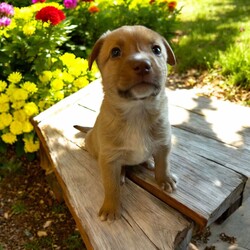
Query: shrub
x: 93, y: 19
x: 42, y: 49
x: 34, y: 73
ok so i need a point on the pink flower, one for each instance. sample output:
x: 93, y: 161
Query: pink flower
x: 50, y: 13
x: 70, y: 4
x: 38, y: 1
x: 4, y: 21
x: 6, y: 9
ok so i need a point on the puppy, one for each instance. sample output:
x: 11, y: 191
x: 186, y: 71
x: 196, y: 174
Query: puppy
x: 133, y: 124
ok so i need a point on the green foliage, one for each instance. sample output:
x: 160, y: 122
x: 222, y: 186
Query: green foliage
x: 235, y: 64
x: 215, y: 36
x: 18, y: 208
x: 9, y: 166
x: 42, y: 62
x: 39, y: 244
x: 34, y: 74
x: 109, y: 16
x: 74, y: 242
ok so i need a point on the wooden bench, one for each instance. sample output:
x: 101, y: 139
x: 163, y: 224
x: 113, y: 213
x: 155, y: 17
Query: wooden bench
x: 211, y: 157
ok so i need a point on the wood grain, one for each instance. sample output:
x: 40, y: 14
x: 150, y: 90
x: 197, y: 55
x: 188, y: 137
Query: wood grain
x: 145, y: 219
x: 210, y: 156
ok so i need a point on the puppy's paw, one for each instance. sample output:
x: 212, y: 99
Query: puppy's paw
x: 149, y: 164
x: 169, y: 184
x: 109, y: 213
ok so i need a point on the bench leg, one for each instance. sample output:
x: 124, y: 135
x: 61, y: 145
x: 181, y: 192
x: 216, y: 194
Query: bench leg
x: 50, y: 176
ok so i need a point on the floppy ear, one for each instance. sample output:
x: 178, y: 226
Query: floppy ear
x: 171, y: 57
x: 96, y: 49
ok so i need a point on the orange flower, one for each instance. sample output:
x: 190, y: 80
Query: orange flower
x: 93, y: 9
x: 172, y: 5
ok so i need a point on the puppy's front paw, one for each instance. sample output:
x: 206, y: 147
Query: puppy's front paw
x: 109, y: 212
x: 169, y: 184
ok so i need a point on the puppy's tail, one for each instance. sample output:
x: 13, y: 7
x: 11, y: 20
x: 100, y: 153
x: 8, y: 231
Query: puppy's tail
x: 82, y: 129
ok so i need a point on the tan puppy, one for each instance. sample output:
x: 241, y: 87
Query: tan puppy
x: 133, y: 122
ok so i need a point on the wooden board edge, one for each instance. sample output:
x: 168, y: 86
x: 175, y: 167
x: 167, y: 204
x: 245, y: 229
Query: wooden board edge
x: 83, y: 234
x: 233, y: 200
x: 152, y: 187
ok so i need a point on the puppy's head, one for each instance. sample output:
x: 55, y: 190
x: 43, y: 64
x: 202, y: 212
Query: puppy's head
x: 132, y: 61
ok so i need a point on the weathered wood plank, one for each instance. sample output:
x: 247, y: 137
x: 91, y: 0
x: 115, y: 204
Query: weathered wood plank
x: 220, y: 120
x: 147, y: 223
x: 210, y: 153
x: 199, y: 177
x: 228, y: 156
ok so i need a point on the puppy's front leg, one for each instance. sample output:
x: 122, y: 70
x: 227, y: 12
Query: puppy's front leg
x: 111, y: 174
x: 162, y: 169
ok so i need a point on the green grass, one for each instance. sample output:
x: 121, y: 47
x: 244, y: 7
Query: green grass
x: 19, y: 208
x: 9, y: 166
x: 215, y: 35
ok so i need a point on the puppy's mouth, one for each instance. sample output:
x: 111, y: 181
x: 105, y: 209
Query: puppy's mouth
x: 140, y: 91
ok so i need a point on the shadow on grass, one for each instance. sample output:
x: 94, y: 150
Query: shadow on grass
x: 215, y: 29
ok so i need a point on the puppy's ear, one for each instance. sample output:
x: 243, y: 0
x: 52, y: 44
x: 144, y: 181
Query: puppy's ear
x: 171, y: 57
x: 96, y: 49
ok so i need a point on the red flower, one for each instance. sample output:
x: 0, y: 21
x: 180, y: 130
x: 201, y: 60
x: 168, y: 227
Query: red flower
x: 172, y: 5
x: 152, y: 1
x: 93, y: 9
x: 50, y: 13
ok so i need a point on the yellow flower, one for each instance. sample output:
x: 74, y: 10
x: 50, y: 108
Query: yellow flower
x: 11, y: 88
x: 30, y: 87
x: 29, y: 29
x: 30, y: 146
x: 5, y: 120
x: 3, y: 85
x: 27, y: 127
x: 24, y: 13
x: 67, y: 77
x: 17, y: 104
x: 4, y: 107
x: 46, y: 76
x: 15, y: 77
x: 30, y: 109
x: 58, y: 74
x: 20, y: 115
x: 80, y: 66
x: 57, y: 84
x: 81, y: 82
x: 4, y: 98
x: 68, y: 59
x: 19, y: 95
x: 9, y: 138
x: 16, y: 127
x: 59, y: 95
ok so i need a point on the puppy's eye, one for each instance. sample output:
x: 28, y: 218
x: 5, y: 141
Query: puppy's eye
x: 115, y: 52
x: 156, y: 49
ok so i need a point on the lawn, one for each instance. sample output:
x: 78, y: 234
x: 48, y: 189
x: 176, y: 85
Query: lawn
x: 215, y: 35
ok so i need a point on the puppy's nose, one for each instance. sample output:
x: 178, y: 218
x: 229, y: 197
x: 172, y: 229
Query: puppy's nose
x: 141, y: 66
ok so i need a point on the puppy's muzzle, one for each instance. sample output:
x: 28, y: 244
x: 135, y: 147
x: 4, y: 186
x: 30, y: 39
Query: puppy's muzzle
x: 141, y: 66
x: 143, y: 84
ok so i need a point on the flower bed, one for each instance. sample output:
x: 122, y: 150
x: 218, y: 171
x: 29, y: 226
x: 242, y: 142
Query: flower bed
x: 42, y: 51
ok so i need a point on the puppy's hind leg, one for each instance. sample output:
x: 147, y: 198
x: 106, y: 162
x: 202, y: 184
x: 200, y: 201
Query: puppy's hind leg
x: 162, y: 169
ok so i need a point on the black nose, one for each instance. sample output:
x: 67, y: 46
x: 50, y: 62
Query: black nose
x: 141, y: 65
